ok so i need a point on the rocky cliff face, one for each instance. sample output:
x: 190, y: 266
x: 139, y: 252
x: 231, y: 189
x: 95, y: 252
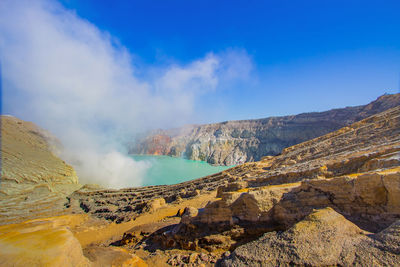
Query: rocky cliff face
x: 29, y: 160
x: 236, y: 142
x: 34, y: 181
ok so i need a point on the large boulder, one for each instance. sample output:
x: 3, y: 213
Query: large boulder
x: 370, y: 199
x: 323, y: 238
x: 243, y: 205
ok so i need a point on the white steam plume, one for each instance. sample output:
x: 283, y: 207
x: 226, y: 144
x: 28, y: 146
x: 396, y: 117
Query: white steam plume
x: 68, y: 76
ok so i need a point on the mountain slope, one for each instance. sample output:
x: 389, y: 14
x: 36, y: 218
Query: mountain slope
x: 34, y: 181
x: 236, y: 142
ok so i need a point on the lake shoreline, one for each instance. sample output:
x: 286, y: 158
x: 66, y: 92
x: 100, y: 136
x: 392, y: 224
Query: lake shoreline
x: 167, y: 170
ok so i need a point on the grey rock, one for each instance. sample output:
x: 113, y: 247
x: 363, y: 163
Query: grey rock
x: 235, y: 142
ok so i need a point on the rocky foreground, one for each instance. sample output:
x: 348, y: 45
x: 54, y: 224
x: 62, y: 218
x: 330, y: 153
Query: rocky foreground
x: 236, y: 142
x: 332, y: 200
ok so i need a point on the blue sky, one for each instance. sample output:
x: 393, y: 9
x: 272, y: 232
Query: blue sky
x: 302, y: 55
x: 307, y: 55
x: 272, y: 31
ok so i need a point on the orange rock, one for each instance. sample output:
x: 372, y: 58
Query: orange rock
x: 47, y: 242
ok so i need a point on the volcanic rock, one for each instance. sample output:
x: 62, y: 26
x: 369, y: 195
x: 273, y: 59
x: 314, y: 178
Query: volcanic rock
x: 354, y: 171
x: 236, y: 142
x: 34, y: 180
x: 38, y: 242
x: 323, y: 238
x: 332, y: 200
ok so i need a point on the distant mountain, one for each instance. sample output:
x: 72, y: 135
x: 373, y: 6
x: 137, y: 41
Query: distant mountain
x: 236, y: 142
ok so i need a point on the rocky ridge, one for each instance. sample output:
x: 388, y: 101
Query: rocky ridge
x: 34, y: 180
x: 235, y: 142
x: 29, y: 160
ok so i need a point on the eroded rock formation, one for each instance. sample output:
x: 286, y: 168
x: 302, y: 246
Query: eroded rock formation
x: 235, y: 142
x: 34, y: 180
x: 29, y: 161
x: 54, y: 241
x: 46, y: 242
x: 323, y: 238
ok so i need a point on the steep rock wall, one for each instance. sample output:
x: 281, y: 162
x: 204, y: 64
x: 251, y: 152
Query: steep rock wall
x: 34, y: 181
x: 29, y: 160
x: 236, y: 142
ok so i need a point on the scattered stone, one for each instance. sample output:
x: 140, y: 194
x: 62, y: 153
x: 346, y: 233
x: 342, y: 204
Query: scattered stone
x: 188, y: 214
x: 226, y: 254
x: 155, y: 204
x: 180, y: 212
x: 193, y: 257
x: 204, y: 257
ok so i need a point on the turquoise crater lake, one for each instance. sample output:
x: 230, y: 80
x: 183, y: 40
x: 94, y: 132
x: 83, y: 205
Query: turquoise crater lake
x: 166, y: 170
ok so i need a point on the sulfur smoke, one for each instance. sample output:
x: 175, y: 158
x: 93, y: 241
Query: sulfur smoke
x: 63, y: 73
